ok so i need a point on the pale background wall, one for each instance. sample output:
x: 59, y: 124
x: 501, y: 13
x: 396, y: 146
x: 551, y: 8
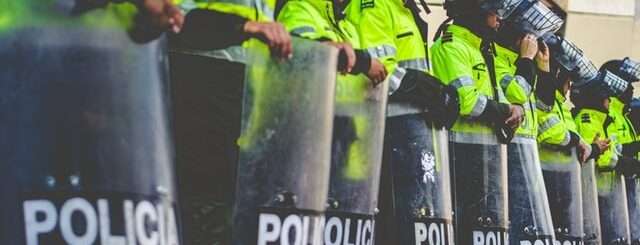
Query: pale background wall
x: 604, y: 29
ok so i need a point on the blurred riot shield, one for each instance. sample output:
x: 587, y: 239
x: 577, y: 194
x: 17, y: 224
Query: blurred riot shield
x: 85, y: 151
x: 530, y: 217
x: 633, y: 201
x: 356, y: 157
x: 421, y: 182
x: 562, y: 176
x: 612, y: 201
x: 479, y: 173
x: 590, y: 209
x: 283, y: 170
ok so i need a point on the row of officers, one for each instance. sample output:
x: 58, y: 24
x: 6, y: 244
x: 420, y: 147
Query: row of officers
x: 311, y: 122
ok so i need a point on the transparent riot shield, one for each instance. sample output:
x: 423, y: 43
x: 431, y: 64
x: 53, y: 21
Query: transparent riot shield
x: 529, y: 214
x: 479, y: 179
x: 85, y: 151
x: 283, y: 170
x: 633, y: 201
x: 590, y: 209
x: 612, y: 201
x: 358, y: 133
x: 419, y: 159
x: 562, y: 176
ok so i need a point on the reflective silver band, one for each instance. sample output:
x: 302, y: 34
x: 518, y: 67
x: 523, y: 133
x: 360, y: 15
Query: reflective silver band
x: 396, y: 78
x: 542, y: 106
x: 524, y: 140
x: 302, y: 30
x: 524, y: 84
x: 548, y: 124
x: 479, y: 107
x: 382, y: 51
x: 232, y: 54
x: 417, y: 64
x: 567, y: 139
x: 473, y: 138
x: 461, y: 82
x: 504, y: 83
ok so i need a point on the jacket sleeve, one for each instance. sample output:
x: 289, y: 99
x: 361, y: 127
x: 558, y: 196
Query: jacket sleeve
x: 451, y: 65
x: 588, y: 129
x: 298, y: 21
x: 516, y: 87
x: 377, y: 38
x: 210, y: 29
x: 551, y: 129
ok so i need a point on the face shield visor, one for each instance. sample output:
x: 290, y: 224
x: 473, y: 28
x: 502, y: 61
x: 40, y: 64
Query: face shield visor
x: 606, y: 84
x: 572, y: 59
x: 630, y: 69
x: 535, y: 18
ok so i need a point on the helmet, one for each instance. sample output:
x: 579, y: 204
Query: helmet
x: 571, y: 58
x: 605, y: 84
x: 630, y: 70
x: 531, y: 16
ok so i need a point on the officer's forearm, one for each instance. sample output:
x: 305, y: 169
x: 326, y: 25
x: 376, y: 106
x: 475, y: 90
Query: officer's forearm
x: 494, y: 112
x: 208, y: 29
x: 595, y: 152
x: 545, y: 88
x: 363, y: 62
x: 526, y: 68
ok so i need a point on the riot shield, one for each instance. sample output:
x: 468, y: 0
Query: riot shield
x: 530, y: 217
x: 590, y: 209
x: 283, y: 169
x: 479, y: 179
x: 612, y: 201
x: 633, y: 201
x: 356, y: 157
x: 419, y: 159
x: 85, y: 151
x: 561, y: 170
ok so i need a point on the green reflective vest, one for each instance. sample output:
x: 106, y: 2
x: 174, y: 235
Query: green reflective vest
x: 517, y: 90
x: 554, y: 130
x: 590, y: 122
x: 623, y: 127
x: 458, y: 61
x: 389, y: 33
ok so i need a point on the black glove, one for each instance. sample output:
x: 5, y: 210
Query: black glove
x: 425, y: 91
x: 363, y: 62
x: 631, y: 149
x: 495, y: 114
x: 628, y: 166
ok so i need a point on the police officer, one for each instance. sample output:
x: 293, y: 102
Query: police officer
x: 463, y: 58
x: 359, y: 115
x: 207, y: 77
x: 592, y: 119
x: 416, y: 161
x: 626, y: 133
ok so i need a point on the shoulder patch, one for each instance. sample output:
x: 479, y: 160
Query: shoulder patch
x: 367, y: 4
x: 585, y: 118
x: 447, y: 37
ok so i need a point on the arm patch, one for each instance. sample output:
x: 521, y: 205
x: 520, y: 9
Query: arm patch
x: 367, y: 4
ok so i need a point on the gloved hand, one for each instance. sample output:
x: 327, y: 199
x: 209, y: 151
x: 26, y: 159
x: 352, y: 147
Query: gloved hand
x: 426, y: 91
x: 628, y: 166
x: 495, y: 114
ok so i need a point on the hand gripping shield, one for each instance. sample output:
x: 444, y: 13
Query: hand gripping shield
x: 85, y: 148
x: 283, y: 169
